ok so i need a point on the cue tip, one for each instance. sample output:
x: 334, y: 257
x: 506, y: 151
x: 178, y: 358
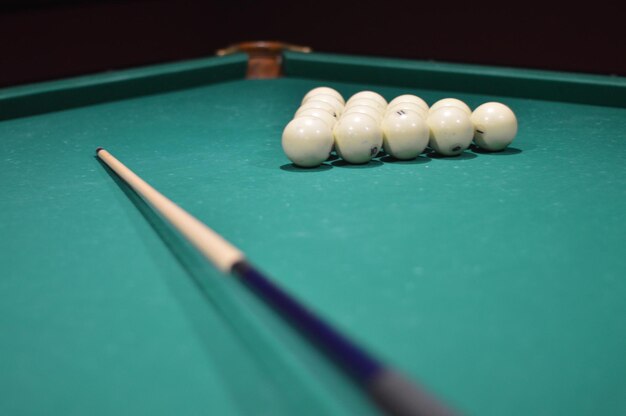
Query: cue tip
x: 98, y: 149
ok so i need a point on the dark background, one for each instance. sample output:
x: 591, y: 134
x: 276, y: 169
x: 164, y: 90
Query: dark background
x: 41, y: 40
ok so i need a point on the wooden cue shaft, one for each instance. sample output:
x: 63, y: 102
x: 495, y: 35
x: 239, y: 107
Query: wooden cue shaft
x: 215, y: 248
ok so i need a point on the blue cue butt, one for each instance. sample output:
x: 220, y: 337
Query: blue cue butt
x: 393, y: 393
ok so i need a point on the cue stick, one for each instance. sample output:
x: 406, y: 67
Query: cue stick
x: 393, y: 393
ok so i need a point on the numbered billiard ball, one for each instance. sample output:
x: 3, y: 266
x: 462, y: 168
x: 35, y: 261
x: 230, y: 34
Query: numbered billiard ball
x: 324, y: 115
x: 451, y: 131
x: 451, y: 102
x: 329, y: 99
x: 307, y: 141
x: 409, y: 98
x: 313, y: 103
x: 323, y: 90
x: 370, y: 95
x: 370, y: 111
x: 366, y: 102
x: 407, y: 106
x: 405, y: 134
x: 495, y: 126
x: 358, y: 137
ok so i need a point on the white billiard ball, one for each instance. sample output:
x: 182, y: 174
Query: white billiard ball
x: 329, y: 99
x: 371, y: 95
x: 407, y: 106
x: 307, y: 141
x: 358, y: 137
x: 319, y: 113
x: 405, y: 134
x: 320, y: 105
x: 367, y: 102
x: 323, y: 90
x: 451, y: 131
x: 409, y: 98
x: 370, y: 111
x: 451, y: 102
x: 495, y: 126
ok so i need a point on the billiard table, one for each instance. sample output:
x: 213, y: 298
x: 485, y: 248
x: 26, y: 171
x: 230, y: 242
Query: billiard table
x: 495, y: 280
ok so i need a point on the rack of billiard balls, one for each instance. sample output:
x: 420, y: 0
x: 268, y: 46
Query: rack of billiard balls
x: 358, y: 129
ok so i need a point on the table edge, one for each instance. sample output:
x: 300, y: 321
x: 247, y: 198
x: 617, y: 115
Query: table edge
x: 512, y: 82
x: 45, y: 97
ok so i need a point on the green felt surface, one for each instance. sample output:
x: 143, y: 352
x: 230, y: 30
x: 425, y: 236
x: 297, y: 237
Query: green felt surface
x: 497, y: 280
